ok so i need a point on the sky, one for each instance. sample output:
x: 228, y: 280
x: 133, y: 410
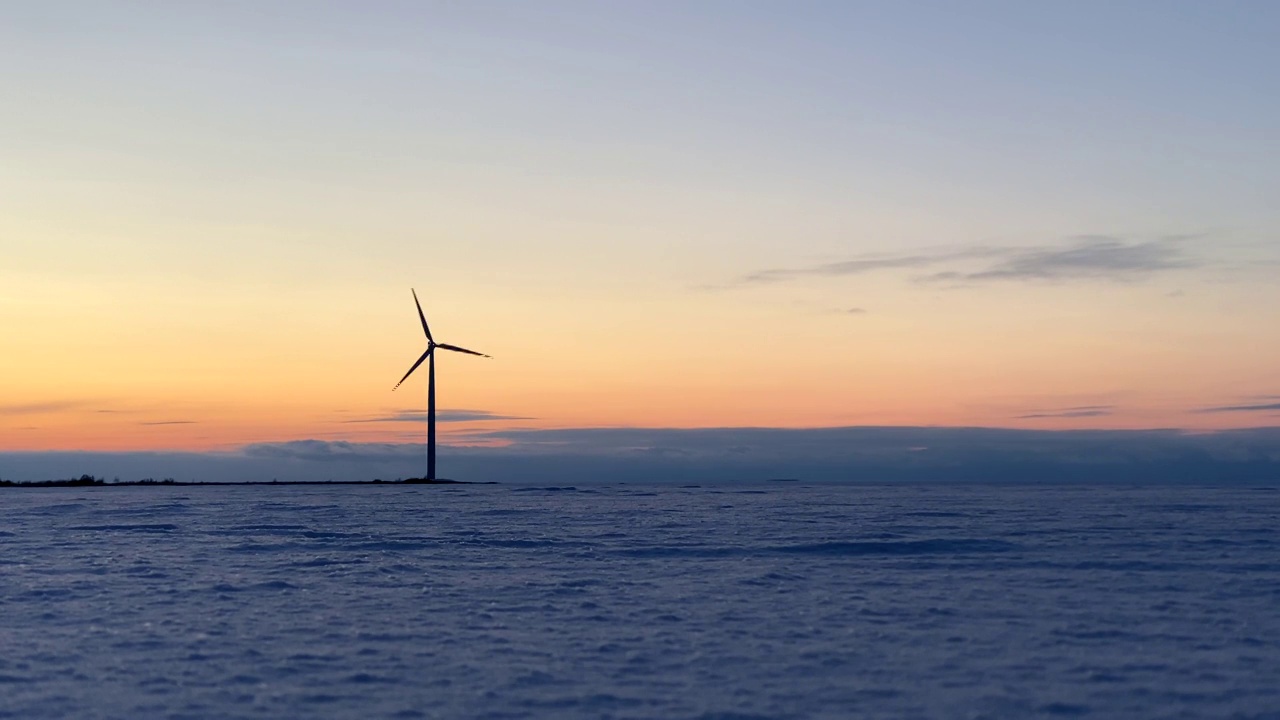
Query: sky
x: 666, y: 215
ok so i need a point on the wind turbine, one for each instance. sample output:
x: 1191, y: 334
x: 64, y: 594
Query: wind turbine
x: 431, y: 384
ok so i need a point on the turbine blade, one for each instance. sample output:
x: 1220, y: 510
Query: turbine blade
x: 421, y: 317
x: 455, y: 348
x: 415, y: 367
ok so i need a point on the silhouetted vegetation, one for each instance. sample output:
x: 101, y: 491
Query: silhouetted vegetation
x: 82, y: 481
x: 91, y: 481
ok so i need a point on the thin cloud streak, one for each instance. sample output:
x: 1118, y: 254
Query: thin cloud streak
x: 170, y: 422
x: 41, y: 408
x: 1072, y: 412
x: 1086, y: 257
x: 1260, y: 407
x: 456, y: 416
x: 871, y: 263
x: 1095, y: 257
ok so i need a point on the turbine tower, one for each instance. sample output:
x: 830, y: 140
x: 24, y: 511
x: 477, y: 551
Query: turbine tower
x: 431, y: 384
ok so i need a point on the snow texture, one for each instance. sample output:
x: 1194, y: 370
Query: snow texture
x: 774, y: 600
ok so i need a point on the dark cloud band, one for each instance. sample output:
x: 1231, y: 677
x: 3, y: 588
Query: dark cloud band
x: 853, y: 454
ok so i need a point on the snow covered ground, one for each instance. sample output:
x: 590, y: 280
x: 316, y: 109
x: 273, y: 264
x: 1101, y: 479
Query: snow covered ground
x: 774, y: 600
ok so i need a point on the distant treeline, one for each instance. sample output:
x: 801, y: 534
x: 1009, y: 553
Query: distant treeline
x: 83, y: 481
x: 91, y: 481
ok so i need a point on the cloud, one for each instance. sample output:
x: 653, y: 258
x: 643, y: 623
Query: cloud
x: 1086, y: 257
x: 330, y: 451
x: 1257, y: 407
x: 852, y: 454
x: 1071, y: 412
x: 420, y: 416
x: 871, y: 263
x: 1092, y: 257
x: 891, y: 450
x: 41, y: 408
x: 170, y: 422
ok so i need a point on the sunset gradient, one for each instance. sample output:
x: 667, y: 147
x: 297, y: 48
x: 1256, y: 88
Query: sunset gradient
x: 1042, y: 216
